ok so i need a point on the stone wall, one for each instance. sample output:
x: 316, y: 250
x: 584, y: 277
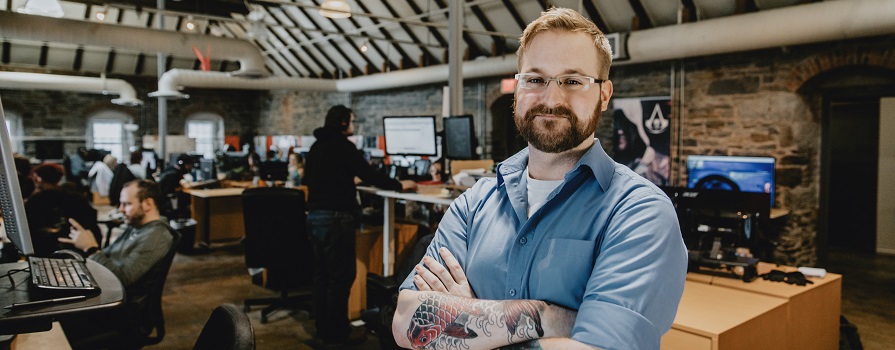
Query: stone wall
x: 64, y: 113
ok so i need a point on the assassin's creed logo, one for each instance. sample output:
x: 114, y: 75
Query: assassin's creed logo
x: 657, y: 123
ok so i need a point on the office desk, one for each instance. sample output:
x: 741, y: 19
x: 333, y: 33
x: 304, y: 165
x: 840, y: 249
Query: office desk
x: 388, y: 223
x: 717, y: 318
x: 218, y: 214
x: 812, y: 311
x: 40, y: 318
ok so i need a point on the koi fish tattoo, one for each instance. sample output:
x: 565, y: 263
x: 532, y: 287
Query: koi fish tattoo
x: 447, y: 322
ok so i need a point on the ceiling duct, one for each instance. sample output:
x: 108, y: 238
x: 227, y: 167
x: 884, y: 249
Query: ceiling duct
x: 796, y: 25
x: 45, y: 29
x: 127, y: 96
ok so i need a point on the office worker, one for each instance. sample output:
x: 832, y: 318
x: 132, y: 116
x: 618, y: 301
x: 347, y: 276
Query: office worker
x: 145, y: 241
x: 564, y: 248
x: 330, y: 169
x: 170, y: 185
x: 49, y: 207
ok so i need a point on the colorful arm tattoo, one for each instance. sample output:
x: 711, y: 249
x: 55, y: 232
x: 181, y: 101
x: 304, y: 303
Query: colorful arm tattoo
x: 448, y: 322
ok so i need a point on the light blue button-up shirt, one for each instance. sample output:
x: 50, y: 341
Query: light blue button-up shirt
x: 606, y: 243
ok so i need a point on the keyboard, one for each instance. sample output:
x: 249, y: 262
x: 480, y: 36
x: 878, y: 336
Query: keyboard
x: 61, y: 274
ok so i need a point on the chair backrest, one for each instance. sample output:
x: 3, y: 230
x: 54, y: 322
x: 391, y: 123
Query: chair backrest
x: 228, y: 328
x: 149, y: 312
x: 276, y: 235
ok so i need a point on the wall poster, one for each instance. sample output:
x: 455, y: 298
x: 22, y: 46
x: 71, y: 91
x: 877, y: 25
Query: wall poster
x: 641, y: 137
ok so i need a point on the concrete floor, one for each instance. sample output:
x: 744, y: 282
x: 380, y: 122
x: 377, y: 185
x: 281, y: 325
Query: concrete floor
x: 198, y: 283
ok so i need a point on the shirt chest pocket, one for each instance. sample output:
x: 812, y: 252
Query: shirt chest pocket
x: 561, y: 274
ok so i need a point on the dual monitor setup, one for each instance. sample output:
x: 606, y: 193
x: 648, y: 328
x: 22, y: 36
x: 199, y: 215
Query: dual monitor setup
x: 416, y: 136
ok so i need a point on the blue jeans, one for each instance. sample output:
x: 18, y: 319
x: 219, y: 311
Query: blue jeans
x: 332, y: 234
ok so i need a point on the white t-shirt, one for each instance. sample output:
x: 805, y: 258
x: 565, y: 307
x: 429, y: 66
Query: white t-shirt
x: 538, y: 190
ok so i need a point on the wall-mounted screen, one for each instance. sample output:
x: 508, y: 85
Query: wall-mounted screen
x: 413, y: 136
x: 459, y: 137
x: 747, y: 174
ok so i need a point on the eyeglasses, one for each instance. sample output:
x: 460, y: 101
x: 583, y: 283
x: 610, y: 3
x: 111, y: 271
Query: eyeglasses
x: 531, y: 81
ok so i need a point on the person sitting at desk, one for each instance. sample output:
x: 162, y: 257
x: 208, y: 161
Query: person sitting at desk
x: 145, y: 241
x: 331, y: 166
x: 169, y: 185
x: 49, y: 208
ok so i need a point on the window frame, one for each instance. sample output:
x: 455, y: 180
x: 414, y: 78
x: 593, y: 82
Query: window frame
x: 217, y: 139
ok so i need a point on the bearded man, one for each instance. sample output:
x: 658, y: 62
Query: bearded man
x: 146, y: 240
x: 564, y: 248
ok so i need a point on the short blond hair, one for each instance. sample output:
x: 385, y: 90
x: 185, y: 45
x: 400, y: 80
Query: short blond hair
x: 563, y: 19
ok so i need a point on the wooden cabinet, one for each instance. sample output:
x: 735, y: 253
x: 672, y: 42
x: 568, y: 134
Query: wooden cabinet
x: 724, y: 313
x: 712, y: 317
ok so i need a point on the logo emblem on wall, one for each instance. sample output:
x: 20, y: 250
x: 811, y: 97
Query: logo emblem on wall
x: 657, y: 123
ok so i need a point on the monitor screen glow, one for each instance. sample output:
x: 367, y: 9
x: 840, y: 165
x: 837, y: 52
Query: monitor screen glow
x: 413, y: 136
x: 747, y: 174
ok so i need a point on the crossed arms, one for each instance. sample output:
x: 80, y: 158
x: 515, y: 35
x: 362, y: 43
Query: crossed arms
x: 445, y: 314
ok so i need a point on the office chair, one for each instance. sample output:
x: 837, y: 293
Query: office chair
x: 228, y: 328
x: 382, y: 294
x: 140, y: 318
x: 276, y: 240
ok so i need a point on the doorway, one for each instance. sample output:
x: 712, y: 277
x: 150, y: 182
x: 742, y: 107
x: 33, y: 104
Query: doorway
x: 852, y: 153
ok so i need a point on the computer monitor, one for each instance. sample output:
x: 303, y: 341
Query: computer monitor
x: 206, y: 170
x: 740, y: 219
x: 729, y: 173
x: 233, y: 160
x: 410, y: 136
x: 459, y: 137
x: 49, y: 149
x: 15, y: 223
x: 274, y: 170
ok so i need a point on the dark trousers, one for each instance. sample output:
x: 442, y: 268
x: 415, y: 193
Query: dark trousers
x: 333, y: 237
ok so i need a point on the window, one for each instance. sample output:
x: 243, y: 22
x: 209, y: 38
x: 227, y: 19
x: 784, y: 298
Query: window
x: 105, y: 130
x: 208, y: 131
x: 14, y: 125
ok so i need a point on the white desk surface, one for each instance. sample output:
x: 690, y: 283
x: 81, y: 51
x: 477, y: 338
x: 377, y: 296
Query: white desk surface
x: 217, y: 192
x: 407, y: 196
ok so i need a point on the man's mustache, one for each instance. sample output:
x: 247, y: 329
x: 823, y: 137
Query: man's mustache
x: 560, y: 111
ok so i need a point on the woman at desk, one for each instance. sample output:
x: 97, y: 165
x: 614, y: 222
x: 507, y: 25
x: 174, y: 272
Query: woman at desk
x: 331, y: 166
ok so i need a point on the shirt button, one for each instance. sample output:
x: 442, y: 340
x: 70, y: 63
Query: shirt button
x: 512, y: 292
x: 523, y: 240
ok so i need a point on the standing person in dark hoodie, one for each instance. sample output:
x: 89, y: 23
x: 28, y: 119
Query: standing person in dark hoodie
x: 330, y: 168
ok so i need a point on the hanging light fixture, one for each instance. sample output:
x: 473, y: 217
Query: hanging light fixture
x: 49, y: 8
x: 365, y: 47
x: 190, y: 24
x: 101, y: 14
x: 335, y: 9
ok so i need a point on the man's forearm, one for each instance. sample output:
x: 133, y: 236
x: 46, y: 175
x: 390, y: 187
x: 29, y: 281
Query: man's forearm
x: 425, y: 318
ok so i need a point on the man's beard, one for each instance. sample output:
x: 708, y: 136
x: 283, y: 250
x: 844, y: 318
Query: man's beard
x: 136, y: 218
x: 550, y: 138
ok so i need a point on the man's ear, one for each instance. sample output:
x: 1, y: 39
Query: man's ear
x: 605, y: 93
x: 148, y: 204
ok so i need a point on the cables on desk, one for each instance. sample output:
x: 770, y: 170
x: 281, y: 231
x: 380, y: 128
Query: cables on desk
x: 9, y: 274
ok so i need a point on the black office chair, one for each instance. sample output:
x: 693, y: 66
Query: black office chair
x: 276, y: 239
x: 228, y: 328
x: 142, y: 321
x: 382, y: 294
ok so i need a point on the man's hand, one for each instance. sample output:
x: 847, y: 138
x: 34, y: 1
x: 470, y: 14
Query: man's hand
x: 436, y: 278
x: 80, y: 237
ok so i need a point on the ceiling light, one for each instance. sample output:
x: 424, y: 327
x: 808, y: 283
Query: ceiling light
x: 364, y: 47
x: 49, y: 8
x: 101, y: 14
x: 335, y: 9
x: 190, y: 25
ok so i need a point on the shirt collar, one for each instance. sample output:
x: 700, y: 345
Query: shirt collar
x: 594, y: 159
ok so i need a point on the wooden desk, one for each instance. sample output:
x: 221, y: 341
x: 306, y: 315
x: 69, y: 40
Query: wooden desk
x: 40, y: 318
x: 718, y: 318
x: 218, y: 214
x: 388, y: 225
x: 812, y: 311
